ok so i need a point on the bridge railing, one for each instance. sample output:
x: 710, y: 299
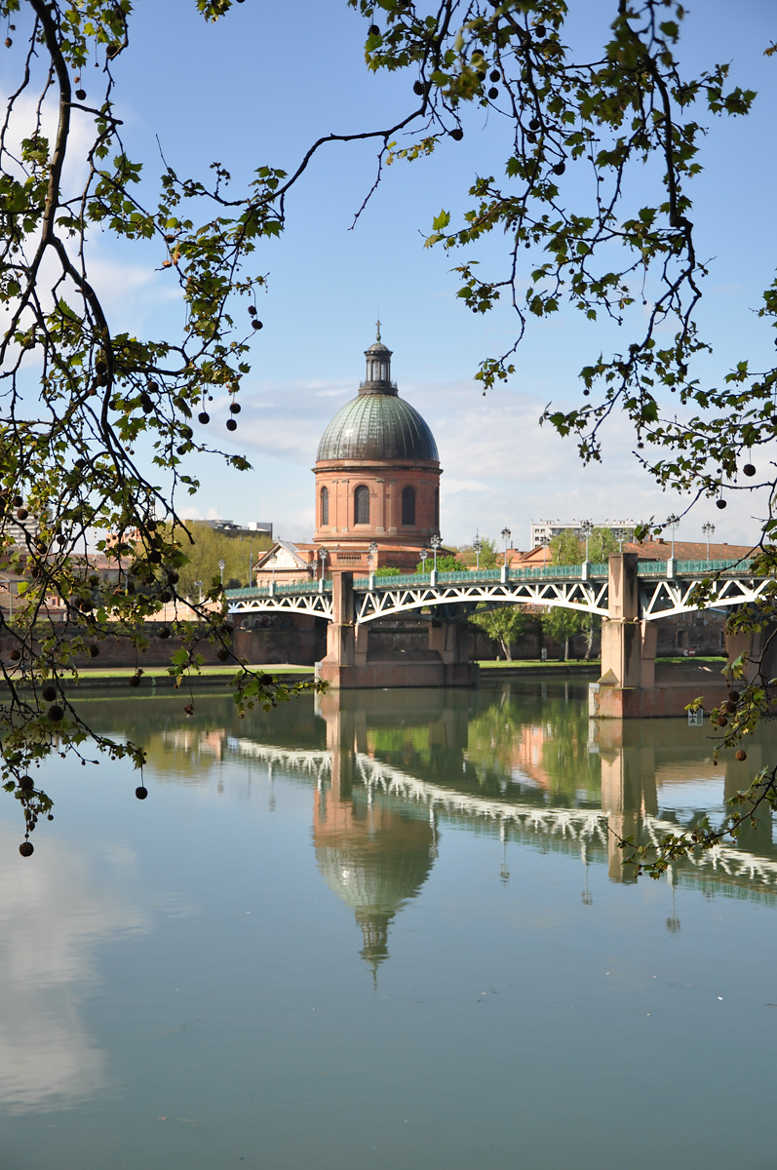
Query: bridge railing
x: 660, y: 568
x: 473, y: 576
x: 266, y: 590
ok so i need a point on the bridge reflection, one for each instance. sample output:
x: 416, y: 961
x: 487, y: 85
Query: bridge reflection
x: 525, y: 765
x: 377, y: 820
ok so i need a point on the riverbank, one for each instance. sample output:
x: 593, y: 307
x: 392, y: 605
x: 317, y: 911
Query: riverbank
x: 157, y: 679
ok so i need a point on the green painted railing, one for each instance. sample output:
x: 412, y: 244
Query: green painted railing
x: 264, y: 590
x: 659, y: 568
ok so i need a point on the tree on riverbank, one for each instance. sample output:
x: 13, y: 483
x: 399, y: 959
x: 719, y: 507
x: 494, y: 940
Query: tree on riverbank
x: 103, y: 429
x: 568, y: 549
x: 504, y: 624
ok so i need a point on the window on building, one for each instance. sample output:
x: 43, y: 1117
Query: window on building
x: 408, y: 505
x: 324, y: 505
x: 361, y: 505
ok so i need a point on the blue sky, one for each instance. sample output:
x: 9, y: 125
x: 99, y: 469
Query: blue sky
x: 258, y: 87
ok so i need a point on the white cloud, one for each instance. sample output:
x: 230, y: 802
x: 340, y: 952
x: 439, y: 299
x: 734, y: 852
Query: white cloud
x: 499, y: 466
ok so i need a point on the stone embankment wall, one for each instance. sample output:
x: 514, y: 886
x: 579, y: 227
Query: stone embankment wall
x: 117, y: 651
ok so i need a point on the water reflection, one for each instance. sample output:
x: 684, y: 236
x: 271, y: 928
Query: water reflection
x: 53, y: 917
x: 523, y: 764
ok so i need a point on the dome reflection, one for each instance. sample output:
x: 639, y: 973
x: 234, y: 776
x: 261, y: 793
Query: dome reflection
x: 374, y: 857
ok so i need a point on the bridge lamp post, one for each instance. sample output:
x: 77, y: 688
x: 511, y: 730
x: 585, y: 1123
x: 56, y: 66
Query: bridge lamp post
x: 323, y: 556
x: 425, y: 554
x: 222, y: 566
x: 709, y: 530
x: 198, y: 587
x: 507, y: 536
x: 586, y: 528
x: 477, y: 545
x: 435, y: 542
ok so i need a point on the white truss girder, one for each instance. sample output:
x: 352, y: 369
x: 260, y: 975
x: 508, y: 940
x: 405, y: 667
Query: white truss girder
x: 666, y: 598
x: 315, y: 604
x: 587, y: 596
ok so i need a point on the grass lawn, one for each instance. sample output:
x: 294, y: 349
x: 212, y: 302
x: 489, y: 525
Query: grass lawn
x: 520, y: 663
x: 88, y: 672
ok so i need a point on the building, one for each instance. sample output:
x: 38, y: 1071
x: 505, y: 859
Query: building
x: 230, y: 528
x: 659, y: 549
x: 377, y: 485
x: 377, y: 477
x: 543, y: 531
x: 286, y: 564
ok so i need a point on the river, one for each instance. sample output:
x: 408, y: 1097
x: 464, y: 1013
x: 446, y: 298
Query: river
x: 392, y: 930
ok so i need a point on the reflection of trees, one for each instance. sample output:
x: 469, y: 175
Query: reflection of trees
x: 189, y: 746
x: 547, y: 740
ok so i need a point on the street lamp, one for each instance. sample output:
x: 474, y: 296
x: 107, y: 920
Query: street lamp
x: 425, y: 554
x: 435, y: 542
x: 709, y: 530
x: 674, y: 533
x: 477, y: 545
x: 323, y: 556
x: 198, y: 586
x: 372, y: 554
x: 507, y: 536
x: 222, y: 565
x: 586, y: 528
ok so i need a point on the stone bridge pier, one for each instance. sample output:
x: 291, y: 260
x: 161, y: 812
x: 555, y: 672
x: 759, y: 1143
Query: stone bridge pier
x: 349, y: 664
x: 632, y: 685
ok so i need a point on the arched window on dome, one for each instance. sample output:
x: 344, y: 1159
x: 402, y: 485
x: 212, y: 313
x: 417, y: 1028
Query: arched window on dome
x: 408, y: 505
x: 324, y: 505
x: 361, y: 505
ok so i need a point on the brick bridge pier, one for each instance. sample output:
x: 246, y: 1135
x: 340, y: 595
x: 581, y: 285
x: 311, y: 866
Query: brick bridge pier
x: 632, y: 685
x: 348, y: 662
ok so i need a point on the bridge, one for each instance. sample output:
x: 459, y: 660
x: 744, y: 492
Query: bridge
x: 628, y: 594
x: 665, y: 588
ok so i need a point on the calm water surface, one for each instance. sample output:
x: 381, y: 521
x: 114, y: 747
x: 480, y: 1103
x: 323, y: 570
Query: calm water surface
x: 389, y: 933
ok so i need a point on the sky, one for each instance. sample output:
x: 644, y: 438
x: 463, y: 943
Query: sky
x: 258, y: 87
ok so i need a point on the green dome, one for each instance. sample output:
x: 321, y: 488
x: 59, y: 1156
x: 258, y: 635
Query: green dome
x: 378, y: 426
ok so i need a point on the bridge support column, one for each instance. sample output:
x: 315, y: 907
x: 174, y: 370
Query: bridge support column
x: 348, y: 663
x: 346, y: 643
x: 628, y: 646
x: 630, y: 686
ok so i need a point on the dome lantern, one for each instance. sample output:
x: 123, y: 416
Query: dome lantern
x: 377, y: 377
